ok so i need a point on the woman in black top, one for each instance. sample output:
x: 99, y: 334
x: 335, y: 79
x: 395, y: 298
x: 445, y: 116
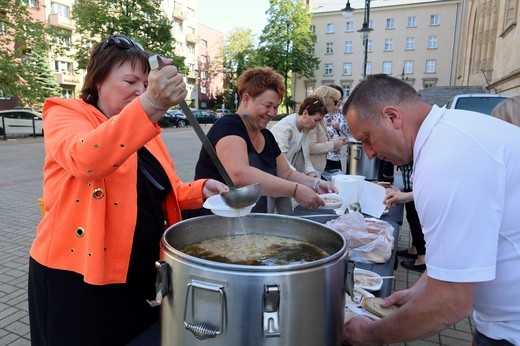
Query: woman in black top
x: 248, y: 149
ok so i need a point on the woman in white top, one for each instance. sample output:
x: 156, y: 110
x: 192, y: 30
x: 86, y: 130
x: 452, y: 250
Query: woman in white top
x: 289, y: 134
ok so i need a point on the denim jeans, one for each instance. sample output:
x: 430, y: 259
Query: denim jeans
x: 482, y: 340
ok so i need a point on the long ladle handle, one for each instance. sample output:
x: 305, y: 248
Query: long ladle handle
x: 157, y: 63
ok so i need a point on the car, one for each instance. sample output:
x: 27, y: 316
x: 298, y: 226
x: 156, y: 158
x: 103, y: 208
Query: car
x: 20, y: 121
x: 205, y: 116
x: 176, y: 118
x: 220, y: 112
x: 482, y: 103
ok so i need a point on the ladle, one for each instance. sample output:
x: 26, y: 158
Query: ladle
x: 236, y: 197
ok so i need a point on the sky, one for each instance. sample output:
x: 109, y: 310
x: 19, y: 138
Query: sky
x: 225, y: 15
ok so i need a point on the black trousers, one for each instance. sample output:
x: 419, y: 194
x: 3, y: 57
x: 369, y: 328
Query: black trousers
x: 64, y: 310
x: 415, y: 228
x: 480, y: 339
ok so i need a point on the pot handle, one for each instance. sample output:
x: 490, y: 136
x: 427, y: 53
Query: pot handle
x: 202, y: 330
x: 349, y: 277
x: 162, y: 283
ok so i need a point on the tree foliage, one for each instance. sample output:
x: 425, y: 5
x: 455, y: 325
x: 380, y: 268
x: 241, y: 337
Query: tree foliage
x: 23, y: 52
x: 141, y: 20
x: 286, y: 41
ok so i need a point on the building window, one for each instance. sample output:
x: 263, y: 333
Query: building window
x: 431, y: 66
x: 67, y: 93
x: 389, y: 44
x: 346, y: 90
x: 349, y: 27
x: 510, y: 13
x: 412, y: 22
x: 2, y: 27
x: 203, y: 74
x: 312, y: 50
x: 191, y: 12
x: 369, y: 46
x: 177, y: 5
x: 203, y: 90
x: 387, y: 67
x: 371, y: 23
x: 434, y: 19
x: 330, y: 28
x: 60, y: 9
x: 347, y: 69
x: 312, y: 28
x: 329, y: 48
x: 309, y: 89
x: 33, y: 4
x: 408, y: 67
x: 432, y: 42
x: 369, y: 68
x: 204, y: 59
x: 63, y: 67
x: 390, y: 23
x: 203, y: 43
x: 328, y: 69
x: 348, y: 47
x: 410, y: 43
x: 64, y: 39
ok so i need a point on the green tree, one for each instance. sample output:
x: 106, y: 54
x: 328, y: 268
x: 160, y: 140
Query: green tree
x: 141, y: 20
x: 41, y: 81
x: 22, y: 43
x: 286, y: 42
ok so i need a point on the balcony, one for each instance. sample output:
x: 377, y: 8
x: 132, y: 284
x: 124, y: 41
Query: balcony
x: 191, y: 38
x: 65, y: 78
x: 179, y: 14
x: 192, y: 74
x: 61, y: 22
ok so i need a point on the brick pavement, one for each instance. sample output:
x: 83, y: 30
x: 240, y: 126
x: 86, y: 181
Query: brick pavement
x: 21, y: 162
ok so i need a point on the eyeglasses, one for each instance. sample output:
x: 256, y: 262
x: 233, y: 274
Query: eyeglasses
x: 122, y: 42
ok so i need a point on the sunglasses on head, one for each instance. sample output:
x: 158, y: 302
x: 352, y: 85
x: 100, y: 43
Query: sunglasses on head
x: 316, y: 102
x: 122, y: 42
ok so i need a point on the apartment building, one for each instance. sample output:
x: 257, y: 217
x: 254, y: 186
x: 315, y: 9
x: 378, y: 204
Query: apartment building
x: 210, y: 43
x: 416, y: 40
x: 66, y: 73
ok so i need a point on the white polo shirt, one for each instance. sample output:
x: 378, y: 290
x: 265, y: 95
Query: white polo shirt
x: 467, y: 193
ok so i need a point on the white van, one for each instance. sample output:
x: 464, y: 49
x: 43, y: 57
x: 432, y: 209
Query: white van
x: 20, y: 121
x: 483, y: 103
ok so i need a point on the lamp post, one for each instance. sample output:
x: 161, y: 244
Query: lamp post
x: 365, y: 29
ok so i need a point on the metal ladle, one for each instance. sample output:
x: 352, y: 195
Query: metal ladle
x: 236, y: 197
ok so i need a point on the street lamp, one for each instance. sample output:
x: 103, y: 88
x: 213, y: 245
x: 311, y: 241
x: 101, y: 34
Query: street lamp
x: 365, y: 29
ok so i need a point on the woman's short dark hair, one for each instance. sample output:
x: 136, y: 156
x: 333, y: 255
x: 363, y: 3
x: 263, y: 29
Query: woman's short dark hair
x: 313, y: 104
x: 256, y: 80
x: 107, y: 54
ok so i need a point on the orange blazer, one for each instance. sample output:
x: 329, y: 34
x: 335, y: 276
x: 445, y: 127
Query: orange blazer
x: 89, y: 188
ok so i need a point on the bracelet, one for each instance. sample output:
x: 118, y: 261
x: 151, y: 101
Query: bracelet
x: 295, y: 188
x: 316, y: 184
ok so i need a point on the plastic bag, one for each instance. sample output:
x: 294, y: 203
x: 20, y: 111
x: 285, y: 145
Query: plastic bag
x: 369, y: 240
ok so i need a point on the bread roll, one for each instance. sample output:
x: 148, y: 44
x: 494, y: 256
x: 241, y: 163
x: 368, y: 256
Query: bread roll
x: 373, y: 305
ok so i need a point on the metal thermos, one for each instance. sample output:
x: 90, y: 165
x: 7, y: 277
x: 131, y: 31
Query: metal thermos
x: 359, y: 164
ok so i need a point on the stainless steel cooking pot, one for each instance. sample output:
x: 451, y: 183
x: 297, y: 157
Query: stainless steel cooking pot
x: 359, y: 164
x: 211, y: 303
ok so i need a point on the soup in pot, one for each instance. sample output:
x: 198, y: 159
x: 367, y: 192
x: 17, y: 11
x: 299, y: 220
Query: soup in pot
x: 255, y: 249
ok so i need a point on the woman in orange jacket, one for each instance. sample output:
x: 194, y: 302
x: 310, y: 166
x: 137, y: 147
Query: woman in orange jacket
x: 109, y: 191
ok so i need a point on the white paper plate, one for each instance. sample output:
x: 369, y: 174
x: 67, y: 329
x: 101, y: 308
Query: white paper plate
x: 359, y: 292
x: 217, y: 205
x: 332, y: 200
x: 367, y: 280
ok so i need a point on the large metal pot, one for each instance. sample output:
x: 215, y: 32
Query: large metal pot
x: 212, y: 303
x: 359, y: 164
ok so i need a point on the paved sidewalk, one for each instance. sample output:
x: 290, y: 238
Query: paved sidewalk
x: 21, y: 163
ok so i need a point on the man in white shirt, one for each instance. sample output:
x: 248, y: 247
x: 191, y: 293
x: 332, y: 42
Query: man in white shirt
x: 467, y: 192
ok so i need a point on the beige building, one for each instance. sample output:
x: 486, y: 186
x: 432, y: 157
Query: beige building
x: 416, y: 40
x: 489, y: 53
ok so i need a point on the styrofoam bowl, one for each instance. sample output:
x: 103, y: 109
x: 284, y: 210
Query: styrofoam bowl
x: 217, y: 205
